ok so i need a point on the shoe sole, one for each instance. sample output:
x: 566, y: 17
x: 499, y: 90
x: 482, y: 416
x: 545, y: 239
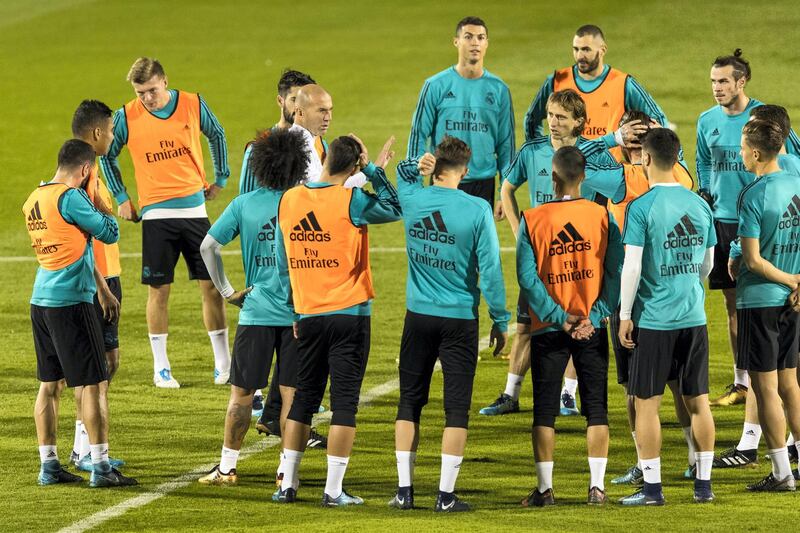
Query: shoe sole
x: 481, y: 412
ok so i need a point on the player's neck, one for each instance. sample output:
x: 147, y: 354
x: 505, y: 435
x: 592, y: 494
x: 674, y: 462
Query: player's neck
x: 589, y: 76
x: 656, y: 176
x: 335, y: 179
x: 767, y: 167
x: 283, y: 123
x: 568, y: 193
x: 558, y: 142
x: 91, y: 142
x: 469, y: 70
x: 70, y: 179
x: 737, y: 106
x: 447, y: 179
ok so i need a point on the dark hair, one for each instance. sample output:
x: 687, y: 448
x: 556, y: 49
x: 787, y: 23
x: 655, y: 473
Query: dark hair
x: 569, y: 165
x: 279, y: 159
x: 471, y: 21
x: 451, y: 154
x: 663, y: 146
x: 572, y: 102
x: 634, y: 114
x: 343, y: 154
x: 764, y: 135
x: 75, y: 153
x: 741, y: 67
x: 89, y: 115
x: 773, y: 113
x: 590, y: 29
x: 293, y: 78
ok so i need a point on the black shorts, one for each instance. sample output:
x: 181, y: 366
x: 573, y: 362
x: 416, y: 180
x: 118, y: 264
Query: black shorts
x: 622, y: 355
x: 549, y: 355
x: 110, y: 328
x: 768, y: 338
x: 335, y: 345
x: 719, y: 277
x: 164, y: 240
x: 523, y: 310
x: 662, y: 356
x: 480, y: 189
x: 454, y: 342
x: 253, y: 347
x: 69, y: 345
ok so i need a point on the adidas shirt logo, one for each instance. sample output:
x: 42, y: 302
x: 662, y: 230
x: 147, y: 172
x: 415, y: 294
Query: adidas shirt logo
x: 309, y: 230
x: 543, y: 172
x: 35, y: 221
x: 790, y: 218
x: 432, y: 228
x: 568, y: 240
x: 683, y: 235
x: 715, y: 132
x: 605, y: 104
x: 449, y: 95
x: 267, y: 232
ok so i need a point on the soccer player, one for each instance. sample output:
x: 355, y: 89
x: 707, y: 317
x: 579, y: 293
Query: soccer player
x: 92, y: 122
x: 162, y: 129
x: 608, y: 92
x: 323, y: 256
x: 61, y: 222
x: 669, y: 251
x: 769, y: 232
x: 279, y: 162
x: 450, y: 238
x: 470, y: 103
x: 568, y: 258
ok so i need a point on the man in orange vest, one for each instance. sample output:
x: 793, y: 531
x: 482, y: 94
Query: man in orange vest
x: 162, y: 129
x: 61, y: 222
x: 323, y: 257
x: 608, y: 92
x: 569, y: 255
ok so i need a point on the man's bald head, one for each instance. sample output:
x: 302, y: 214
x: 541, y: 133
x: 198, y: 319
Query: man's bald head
x: 314, y: 109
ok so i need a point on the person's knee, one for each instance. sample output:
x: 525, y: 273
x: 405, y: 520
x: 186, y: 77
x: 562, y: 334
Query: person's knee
x: 409, y: 413
x: 547, y: 420
x: 344, y: 418
x: 456, y: 418
x: 158, y: 294
x: 112, y: 362
x: 52, y: 389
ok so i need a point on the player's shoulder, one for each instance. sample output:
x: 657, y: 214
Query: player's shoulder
x: 536, y: 144
x: 494, y: 79
x: 644, y: 201
x: 469, y: 205
x: 711, y: 114
x: 441, y: 77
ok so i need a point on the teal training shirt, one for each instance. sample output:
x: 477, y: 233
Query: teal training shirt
x: 74, y: 283
x: 769, y: 210
x: 209, y: 125
x: 477, y: 111
x: 674, y: 227
x: 635, y: 98
x: 453, y: 251
x: 253, y: 217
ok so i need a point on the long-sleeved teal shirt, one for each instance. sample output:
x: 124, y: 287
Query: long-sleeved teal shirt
x: 477, y: 111
x: 74, y: 283
x: 635, y: 98
x: 453, y: 251
x: 365, y: 208
x: 217, y: 145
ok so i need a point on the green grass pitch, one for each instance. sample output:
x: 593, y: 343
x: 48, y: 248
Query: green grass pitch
x: 373, y: 58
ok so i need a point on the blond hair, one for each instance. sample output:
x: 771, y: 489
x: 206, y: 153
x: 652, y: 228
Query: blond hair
x: 143, y: 69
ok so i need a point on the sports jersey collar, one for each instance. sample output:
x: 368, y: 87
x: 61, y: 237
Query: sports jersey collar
x: 453, y: 68
x: 601, y: 76
x: 667, y: 185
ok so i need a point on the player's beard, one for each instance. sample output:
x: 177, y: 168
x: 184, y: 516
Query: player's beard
x: 590, y: 66
x: 288, y: 117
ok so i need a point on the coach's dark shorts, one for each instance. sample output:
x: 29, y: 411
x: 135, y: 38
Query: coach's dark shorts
x: 480, y: 188
x: 719, y: 278
x: 68, y: 344
x: 768, y: 338
x: 164, y: 240
x: 335, y: 345
x: 110, y: 328
x: 253, y: 347
x: 523, y: 310
x: 549, y: 355
x: 622, y: 355
x: 454, y: 342
x: 662, y: 356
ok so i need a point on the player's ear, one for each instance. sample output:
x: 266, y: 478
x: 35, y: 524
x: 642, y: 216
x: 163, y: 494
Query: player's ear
x: 279, y: 100
x: 166, y: 82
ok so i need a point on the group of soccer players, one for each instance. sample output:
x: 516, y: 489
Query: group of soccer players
x: 615, y: 238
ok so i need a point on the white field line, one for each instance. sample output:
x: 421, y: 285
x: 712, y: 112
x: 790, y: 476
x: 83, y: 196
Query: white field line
x: 180, y: 482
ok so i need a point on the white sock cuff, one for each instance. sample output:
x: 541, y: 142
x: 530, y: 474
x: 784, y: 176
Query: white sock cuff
x: 215, y: 332
x: 405, y: 455
x: 333, y: 458
x: 155, y: 336
x: 48, y: 453
x: 292, y: 454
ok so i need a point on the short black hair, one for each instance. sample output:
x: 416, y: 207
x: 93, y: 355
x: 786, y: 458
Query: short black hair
x: 764, y: 135
x: 663, y: 146
x: 293, y: 78
x: 451, y: 153
x: 279, y: 159
x: 569, y: 165
x: 89, y: 115
x: 471, y: 21
x: 741, y: 66
x: 343, y: 154
x: 773, y: 113
x: 75, y: 153
x: 590, y: 29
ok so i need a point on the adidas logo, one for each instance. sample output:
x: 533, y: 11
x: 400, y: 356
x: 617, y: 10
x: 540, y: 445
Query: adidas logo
x: 715, y: 132
x: 543, y: 172
x: 51, y: 454
x: 35, y: 221
x: 449, y: 95
x: 568, y: 240
x: 647, y: 468
x: 432, y: 228
x: 750, y: 432
x: 791, y: 217
x: 268, y: 230
x: 683, y: 235
x: 605, y: 104
x: 309, y: 230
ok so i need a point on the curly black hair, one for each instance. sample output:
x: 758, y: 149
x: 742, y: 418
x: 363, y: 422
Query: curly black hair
x: 279, y: 159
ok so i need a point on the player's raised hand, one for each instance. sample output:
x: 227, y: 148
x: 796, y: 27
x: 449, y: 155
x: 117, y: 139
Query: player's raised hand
x: 386, y: 153
x: 363, y: 160
x: 237, y: 298
x: 626, y: 334
x: 498, y: 339
x: 426, y: 164
x: 126, y: 211
x: 631, y: 131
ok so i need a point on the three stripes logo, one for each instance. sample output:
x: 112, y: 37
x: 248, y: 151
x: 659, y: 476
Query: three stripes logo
x: 449, y: 95
x: 35, y: 221
x: 715, y: 133
x: 543, y: 172
x: 267, y: 232
x: 568, y: 241
x: 791, y: 217
x: 432, y: 228
x: 683, y: 235
x: 309, y: 230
